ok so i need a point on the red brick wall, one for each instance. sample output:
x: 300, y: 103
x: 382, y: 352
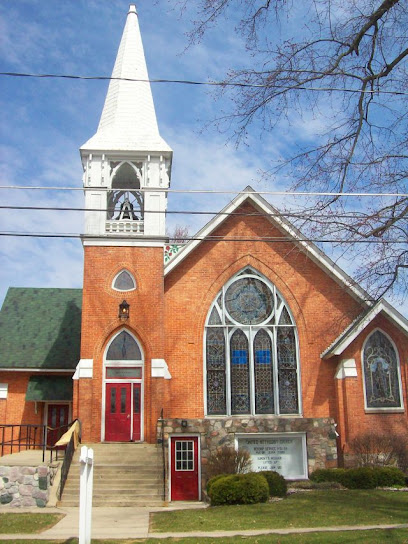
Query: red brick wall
x: 355, y: 420
x: 15, y: 410
x: 100, y: 322
x: 321, y: 308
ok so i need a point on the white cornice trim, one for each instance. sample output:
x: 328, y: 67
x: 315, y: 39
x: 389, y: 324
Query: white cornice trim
x: 317, y: 256
x: 122, y: 242
x: 353, y: 330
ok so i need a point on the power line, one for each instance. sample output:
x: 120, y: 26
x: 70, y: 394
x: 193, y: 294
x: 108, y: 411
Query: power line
x: 295, y: 215
x: 204, y: 191
x: 209, y: 83
x: 209, y: 238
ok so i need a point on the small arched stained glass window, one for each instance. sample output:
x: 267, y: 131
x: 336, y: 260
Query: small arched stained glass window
x: 124, y: 348
x: 381, y: 373
x: 124, y: 281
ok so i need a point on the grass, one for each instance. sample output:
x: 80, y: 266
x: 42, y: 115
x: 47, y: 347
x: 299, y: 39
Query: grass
x: 311, y: 509
x: 386, y: 536
x: 27, y: 523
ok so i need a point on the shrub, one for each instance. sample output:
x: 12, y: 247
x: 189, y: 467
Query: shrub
x: 374, y: 449
x: 361, y: 477
x: 212, y: 480
x: 328, y: 475
x: 276, y: 483
x: 388, y: 476
x: 247, y: 488
x: 227, y: 460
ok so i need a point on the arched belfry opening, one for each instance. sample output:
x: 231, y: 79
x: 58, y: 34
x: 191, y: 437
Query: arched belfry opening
x: 125, y: 200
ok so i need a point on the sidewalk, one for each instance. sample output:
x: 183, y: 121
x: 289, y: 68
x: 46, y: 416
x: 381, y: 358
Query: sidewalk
x: 134, y: 523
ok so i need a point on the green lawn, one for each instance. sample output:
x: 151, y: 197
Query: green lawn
x: 310, y: 509
x: 27, y: 523
x: 394, y: 536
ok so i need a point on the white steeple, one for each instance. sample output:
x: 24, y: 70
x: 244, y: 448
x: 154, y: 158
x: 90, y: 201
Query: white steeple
x: 127, y: 163
x: 128, y: 120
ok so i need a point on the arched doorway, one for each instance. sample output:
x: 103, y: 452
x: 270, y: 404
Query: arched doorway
x: 122, y: 408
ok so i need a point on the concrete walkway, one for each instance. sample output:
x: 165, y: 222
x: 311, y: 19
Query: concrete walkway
x: 108, y: 522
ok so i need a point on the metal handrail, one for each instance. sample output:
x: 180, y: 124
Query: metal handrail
x: 26, y: 439
x: 66, y: 464
x: 163, y: 454
x: 30, y: 437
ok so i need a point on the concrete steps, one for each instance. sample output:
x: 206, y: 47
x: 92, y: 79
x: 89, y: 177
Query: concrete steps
x: 125, y: 474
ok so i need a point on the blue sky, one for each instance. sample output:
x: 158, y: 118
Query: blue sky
x: 45, y: 121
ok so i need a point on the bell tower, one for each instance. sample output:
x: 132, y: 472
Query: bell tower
x: 127, y: 167
x: 127, y: 162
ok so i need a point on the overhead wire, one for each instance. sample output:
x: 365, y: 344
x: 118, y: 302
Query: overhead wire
x: 204, y: 191
x: 209, y: 83
x: 208, y: 238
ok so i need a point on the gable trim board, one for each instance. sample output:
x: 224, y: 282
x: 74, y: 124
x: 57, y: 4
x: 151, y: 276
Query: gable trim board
x: 359, y: 324
x: 294, y: 235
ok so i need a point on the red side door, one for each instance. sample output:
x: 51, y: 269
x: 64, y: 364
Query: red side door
x: 184, y: 468
x: 118, y: 412
x: 57, y: 417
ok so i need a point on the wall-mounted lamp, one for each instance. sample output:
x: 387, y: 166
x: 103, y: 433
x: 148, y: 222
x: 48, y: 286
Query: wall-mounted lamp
x: 184, y: 423
x: 124, y: 310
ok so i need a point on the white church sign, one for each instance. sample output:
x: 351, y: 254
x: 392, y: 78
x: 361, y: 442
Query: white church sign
x: 285, y: 453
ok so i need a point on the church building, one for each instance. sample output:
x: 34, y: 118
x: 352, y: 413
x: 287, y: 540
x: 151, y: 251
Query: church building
x: 265, y: 345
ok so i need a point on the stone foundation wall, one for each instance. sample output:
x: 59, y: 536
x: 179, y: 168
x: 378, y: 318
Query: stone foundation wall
x: 214, y: 433
x: 26, y: 486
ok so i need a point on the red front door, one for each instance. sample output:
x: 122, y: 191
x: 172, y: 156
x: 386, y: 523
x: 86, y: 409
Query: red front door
x: 57, y: 417
x: 122, y: 412
x: 184, y: 468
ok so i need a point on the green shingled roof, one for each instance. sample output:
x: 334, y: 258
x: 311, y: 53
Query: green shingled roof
x: 40, y: 328
x: 49, y: 388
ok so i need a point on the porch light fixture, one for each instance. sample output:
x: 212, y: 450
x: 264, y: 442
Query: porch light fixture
x: 124, y: 310
x: 184, y: 423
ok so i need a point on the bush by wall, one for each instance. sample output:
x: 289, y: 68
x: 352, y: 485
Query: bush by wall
x: 276, y: 483
x: 385, y: 449
x: 227, y: 460
x: 247, y: 488
x: 361, y: 477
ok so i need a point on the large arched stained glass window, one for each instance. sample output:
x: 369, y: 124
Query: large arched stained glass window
x: 251, y: 350
x: 381, y: 373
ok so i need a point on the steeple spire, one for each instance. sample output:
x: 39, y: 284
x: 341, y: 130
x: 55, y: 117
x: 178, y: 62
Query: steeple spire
x: 128, y: 121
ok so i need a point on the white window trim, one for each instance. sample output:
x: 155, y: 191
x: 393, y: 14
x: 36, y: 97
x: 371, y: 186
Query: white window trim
x: 124, y: 290
x: 391, y: 409
x: 123, y: 363
x: 3, y: 390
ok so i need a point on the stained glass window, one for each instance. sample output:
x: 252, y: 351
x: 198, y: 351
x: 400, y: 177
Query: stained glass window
x: 251, y: 350
x: 263, y: 373
x: 216, y: 399
x: 381, y: 373
x: 239, y: 373
x: 124, y: 348
x: 124, y: 281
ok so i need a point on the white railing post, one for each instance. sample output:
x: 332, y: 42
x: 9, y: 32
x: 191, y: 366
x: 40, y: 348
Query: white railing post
x: 85, y: 495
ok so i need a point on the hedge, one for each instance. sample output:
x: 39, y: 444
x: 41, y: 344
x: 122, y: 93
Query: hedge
x: 276, y: 483
x: 247, y: 488
x: 362, y: 477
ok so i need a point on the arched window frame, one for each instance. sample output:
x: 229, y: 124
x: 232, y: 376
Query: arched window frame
x: 229, y: 326
x: 386, y: 409
x: 121, y: 363
x: 124, y: 290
